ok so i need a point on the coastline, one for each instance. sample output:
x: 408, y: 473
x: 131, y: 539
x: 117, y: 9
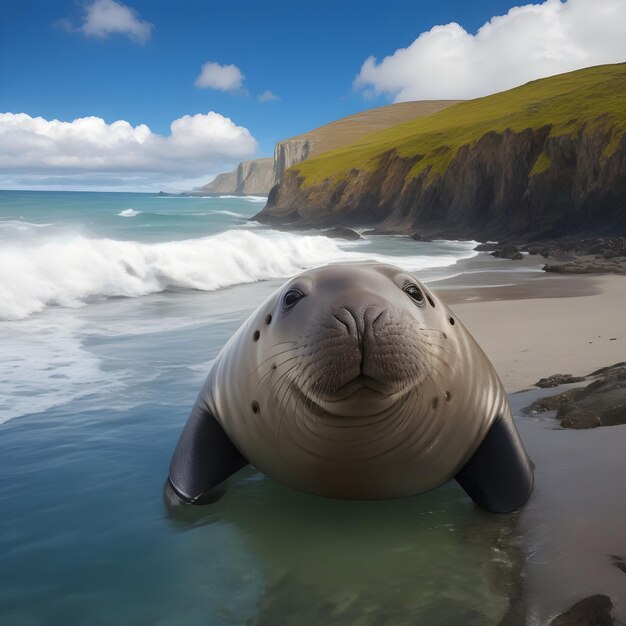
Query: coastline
x: 570, y: 532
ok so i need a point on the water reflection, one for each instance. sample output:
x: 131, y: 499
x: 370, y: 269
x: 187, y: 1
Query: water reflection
x: 432, y: 559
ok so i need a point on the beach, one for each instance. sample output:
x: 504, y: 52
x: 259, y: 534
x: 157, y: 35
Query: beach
x: 548, y: 327
x: 113, y: 307
x: 571, y: 529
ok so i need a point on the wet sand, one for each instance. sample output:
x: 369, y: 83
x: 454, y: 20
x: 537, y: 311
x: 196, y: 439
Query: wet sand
x: 575, y: 519
x: 543, y: 326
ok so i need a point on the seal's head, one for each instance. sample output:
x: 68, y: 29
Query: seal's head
x: 367, y: 335
x: 353, y: 365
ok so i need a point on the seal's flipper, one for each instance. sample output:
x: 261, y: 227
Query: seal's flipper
x: 498, y: 477
x: 204, y: 457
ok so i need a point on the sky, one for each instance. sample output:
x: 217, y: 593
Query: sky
x: 147, y: 95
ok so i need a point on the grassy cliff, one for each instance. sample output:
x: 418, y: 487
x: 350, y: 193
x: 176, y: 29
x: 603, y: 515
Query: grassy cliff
x: 549, y: 156
x: 594, y: 98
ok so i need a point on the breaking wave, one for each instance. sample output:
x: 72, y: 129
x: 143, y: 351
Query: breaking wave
x: 71, y: 269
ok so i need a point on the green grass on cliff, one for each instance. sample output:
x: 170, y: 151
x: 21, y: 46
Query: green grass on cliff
x: 593, y: 98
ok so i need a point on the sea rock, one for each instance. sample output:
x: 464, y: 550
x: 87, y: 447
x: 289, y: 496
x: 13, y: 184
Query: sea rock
x: 508, y: 252
x: 600, y: 403
x: 487, y: 247
x: 419, y: 237
x: 591, y: 611
x: 558, y: 379
x: 342, y: 233
x: 549, y: 403
x: 587, y: 266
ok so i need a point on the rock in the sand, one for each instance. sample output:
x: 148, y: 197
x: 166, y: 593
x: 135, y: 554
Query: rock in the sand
x: 588, y: 266
x: 601, y: 403
x: 591, y: 611
x: 544, y: 252
x: 342, y: 233
x: 558, y: 379
x: 508, y: 252
x: 487, y: 247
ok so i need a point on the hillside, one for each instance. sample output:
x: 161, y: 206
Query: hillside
x: 544, y: 159
x: 260, y: 175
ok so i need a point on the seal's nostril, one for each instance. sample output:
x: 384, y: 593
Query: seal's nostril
x: 256, y: 335
x: 268, y: 319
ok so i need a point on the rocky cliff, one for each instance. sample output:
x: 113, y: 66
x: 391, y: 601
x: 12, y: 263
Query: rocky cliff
x: 541, y: 161
x: 493, y: 189
x: 254, y: 177
x: 290, y: 152
x: 250, y: 178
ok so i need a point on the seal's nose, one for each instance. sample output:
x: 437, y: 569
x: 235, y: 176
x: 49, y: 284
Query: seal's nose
x: 362, y: 323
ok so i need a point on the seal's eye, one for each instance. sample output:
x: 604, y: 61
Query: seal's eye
x: 291, y: 297
x: 415, y: 293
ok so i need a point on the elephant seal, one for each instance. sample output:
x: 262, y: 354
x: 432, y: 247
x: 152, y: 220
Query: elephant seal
x: 354, y: 381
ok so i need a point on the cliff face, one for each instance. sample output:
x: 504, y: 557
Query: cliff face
x: 250, y: 178
x: 328, y: 137
x: 290, y: 152
x: 526, y: 184
x: 542, y: 160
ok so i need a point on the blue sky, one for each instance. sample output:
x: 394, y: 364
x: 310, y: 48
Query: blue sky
x: 307, y: 54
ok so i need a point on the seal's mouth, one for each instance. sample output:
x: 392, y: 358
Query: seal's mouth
x: 360, y: 383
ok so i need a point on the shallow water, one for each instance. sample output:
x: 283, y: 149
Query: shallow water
x: 93, y: 395
x: 575, y: 520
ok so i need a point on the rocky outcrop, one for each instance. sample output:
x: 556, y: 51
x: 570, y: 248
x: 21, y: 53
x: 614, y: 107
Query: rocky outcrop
x: 508, y: 252
x: 594, y: 610
x: 250, y: 178
x: 491, y: 189
x: 601, y: 403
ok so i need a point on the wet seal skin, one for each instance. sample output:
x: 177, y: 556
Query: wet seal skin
x: 354, y: 381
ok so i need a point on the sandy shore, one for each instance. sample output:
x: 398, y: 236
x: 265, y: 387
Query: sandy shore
x: 572, y: 524
x: 546, y: 326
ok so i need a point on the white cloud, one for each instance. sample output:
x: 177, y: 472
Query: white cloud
x: 267, y: 96
x: 222, y: 77
x: 36, y: 149
x: 107, y: 17
x: 529, y: 42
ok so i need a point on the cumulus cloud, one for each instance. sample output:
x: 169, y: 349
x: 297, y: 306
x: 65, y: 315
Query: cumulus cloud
x: 267, y: 96
x: 529, y: 42
x: 222, y: 77
x: 107, y: 17
x: 36, y: 149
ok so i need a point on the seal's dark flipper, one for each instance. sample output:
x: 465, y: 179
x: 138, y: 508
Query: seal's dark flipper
x: 204, y: 458
x: 498, y: 477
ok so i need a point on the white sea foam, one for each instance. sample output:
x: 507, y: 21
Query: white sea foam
x: 129, y: 213
x: 71, y: 269
x: 229, y: 213
x: 45, y: 365
x: 248, y: 198
x: 20, y: 225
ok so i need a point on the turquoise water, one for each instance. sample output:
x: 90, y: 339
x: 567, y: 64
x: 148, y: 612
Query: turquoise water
x: 108, y: 326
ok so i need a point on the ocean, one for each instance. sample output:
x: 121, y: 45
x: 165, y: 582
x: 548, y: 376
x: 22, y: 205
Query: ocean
x: 112, y: 307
